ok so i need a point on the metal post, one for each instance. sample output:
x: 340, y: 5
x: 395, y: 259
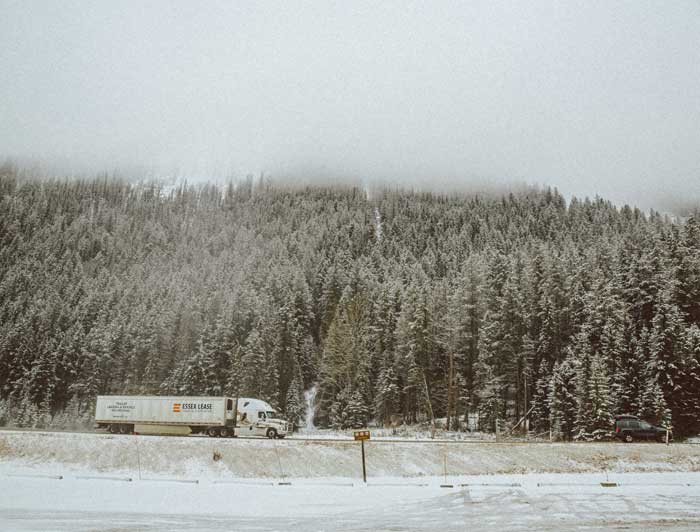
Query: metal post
x: 444, y: 463
x: 235, y: 415
x: 444, y: 470
x: 279, y: 460
x: 450, y: 392
x: 364, y: 469
x: 138, y: 455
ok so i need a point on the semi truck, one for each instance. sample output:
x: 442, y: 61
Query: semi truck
x: 215, y: 416
x: 258, y: 418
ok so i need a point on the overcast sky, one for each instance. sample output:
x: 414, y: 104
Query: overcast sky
x: 593, y: 97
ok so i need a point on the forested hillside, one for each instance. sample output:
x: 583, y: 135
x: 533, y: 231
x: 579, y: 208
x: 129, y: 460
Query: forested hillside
x: 580, y: 311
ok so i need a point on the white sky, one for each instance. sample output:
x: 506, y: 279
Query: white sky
x: 593, y: 97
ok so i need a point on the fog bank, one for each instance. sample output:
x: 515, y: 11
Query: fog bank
x: 597, y: 98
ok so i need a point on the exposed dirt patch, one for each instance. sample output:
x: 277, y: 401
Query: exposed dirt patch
x: 4, y: 448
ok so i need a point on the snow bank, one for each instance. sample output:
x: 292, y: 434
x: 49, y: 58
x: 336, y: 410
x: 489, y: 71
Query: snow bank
x: 202, y: 457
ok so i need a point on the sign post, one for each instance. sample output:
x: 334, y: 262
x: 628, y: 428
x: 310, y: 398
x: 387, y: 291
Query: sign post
x: 138, y: 454
x: 361, y: 436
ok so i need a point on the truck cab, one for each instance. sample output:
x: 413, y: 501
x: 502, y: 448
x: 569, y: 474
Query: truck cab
x: 258, y: 418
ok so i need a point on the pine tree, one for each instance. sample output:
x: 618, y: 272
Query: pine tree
x: 344, y: 363
x: 295, y: 407
x: 254, y: 369
x: 387, y: 396
x: 666, y: 364
x: 540, y: 401
x: 654, y: 407
x: 356, y: 412
x: 562, y: 400
x: 599, y: 390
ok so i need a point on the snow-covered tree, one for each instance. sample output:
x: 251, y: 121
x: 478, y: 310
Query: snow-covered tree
x: 562, y: 400
x: 294, y: 404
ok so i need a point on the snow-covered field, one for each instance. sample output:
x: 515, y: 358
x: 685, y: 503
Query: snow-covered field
x: 125, y: 483
x: 193, y: 457
x: 559, y: 502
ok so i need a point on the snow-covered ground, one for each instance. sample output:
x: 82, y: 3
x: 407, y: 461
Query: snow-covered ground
x: 194, y: 457
x: 124, y: 483
x: 403, y: 433
x: 553, y: 502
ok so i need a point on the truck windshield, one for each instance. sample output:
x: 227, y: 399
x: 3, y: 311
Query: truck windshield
x: 270, y: 414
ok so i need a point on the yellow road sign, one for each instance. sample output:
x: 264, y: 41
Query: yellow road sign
x: 361, y: 435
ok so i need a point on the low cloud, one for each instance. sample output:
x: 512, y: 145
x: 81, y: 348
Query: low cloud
x: 595, y: 99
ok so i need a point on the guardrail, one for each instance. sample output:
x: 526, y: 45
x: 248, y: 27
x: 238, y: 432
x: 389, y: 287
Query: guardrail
x: 452, y: 483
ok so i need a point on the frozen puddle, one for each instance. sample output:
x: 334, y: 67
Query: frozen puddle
x: 556, y: 502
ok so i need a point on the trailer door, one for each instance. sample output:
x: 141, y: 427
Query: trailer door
x: 230, y: 413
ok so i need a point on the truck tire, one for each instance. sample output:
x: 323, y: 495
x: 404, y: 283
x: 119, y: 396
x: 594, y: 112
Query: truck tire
x: 224, y: 432
x: 124, y: 429
x: 271, y: 433
x: 628, y: 438
x: 114, y: 428
x: 213, y: 432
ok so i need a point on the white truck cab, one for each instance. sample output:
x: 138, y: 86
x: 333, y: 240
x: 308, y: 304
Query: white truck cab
x: 258, y: 418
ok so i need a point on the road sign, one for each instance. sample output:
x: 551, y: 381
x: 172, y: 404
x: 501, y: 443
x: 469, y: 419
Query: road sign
x: 361, y: 435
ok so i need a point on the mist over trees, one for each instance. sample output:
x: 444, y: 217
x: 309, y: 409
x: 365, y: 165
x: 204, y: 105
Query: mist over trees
x: 577, y: 311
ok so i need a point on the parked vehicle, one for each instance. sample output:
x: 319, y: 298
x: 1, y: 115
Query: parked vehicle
x: 214, y: 416
x: 629, y: 428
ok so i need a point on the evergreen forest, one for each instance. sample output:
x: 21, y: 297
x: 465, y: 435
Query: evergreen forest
x: 399, y: 306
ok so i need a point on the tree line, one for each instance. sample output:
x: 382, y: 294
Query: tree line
x: 401, y: 306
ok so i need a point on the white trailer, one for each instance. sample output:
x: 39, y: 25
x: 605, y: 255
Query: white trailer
x: 215, y: 416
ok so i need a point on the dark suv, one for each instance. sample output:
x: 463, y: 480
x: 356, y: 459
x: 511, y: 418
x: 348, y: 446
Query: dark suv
x: 629, y: 428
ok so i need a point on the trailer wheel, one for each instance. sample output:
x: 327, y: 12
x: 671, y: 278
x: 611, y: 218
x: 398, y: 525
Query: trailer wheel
x: 629, y: 438
x: 124, y: 429
x: 225, y: 433
x: 213, y: 432
x: 271, y: 433
x: 114, y: 428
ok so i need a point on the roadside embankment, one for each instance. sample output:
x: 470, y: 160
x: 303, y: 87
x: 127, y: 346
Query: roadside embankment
x: 247, y: 458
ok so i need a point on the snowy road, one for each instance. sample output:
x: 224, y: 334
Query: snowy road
x: 563, y: 502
